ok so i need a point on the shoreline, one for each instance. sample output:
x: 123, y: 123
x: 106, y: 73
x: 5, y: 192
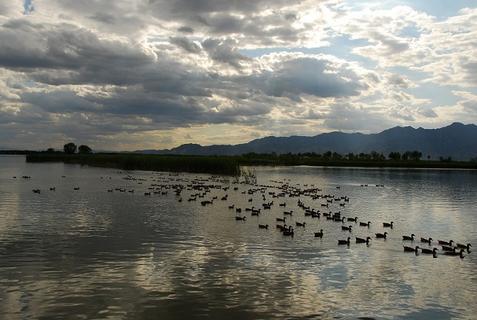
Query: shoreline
x: 230, y: 165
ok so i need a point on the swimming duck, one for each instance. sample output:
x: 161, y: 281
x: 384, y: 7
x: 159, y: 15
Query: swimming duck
x: 355, y: 219
x: 388, y: 224
x: 344, y: 228
x: 429, y: 251
x: 446, y: 243
x: 448, y: 248
x: 263, y: 226
x: 455, y: 253
x: 426, y: 240
x: 361, y: 240
x: 411, y: 249
x: 344, y: 242
x: 364, y: 224
x: 408, y: 238
x: 288, y: 232
x: 241, y: 218
x: 464, y: 246
x: 381, y: 235
x: 319, y: 234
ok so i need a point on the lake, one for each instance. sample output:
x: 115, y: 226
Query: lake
x: 94, y: 254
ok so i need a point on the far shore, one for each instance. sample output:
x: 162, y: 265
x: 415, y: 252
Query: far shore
x: 229, y: 165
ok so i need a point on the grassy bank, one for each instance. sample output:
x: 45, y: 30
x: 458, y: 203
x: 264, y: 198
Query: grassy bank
x: 196, y: 164
x: 227, y: 165
x: 296, y: 160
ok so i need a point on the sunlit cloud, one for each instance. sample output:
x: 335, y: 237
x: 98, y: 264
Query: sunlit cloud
x: 128, y: 75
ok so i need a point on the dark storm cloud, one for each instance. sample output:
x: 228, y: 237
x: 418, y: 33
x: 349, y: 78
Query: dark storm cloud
x: 187, y: 7
x: 185, y: 44
x: 60, y: 102
x: 26, y: 45
x: 66, y: 54
x: 227, y: 18
x: 312, y: 76
x: 224, y: 52
x: 185, y: 29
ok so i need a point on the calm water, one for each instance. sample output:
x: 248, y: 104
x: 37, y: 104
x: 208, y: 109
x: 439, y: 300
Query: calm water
x: 93, y: 254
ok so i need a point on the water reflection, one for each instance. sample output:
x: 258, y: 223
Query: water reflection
x: 94, y: 254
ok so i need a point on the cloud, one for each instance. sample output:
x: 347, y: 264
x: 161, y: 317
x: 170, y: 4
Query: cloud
x: 28, y: 6
x: 291, y: 75
x: 224, y: 52
x: 186, y: 44
x: 148, y: 69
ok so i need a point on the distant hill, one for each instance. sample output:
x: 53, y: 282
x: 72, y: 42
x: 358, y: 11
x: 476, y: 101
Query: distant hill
x: 457, y: 140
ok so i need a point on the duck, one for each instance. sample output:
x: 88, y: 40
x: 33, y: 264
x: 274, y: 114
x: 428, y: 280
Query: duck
x: 408, y: 238
x: 464, y: 246
x: 263, y: 226
x: 446, y: 243
x: 319, y: 234
x: 388, y: 224
x: 455, y: 253
x: 289, y: 213
x: 240, y: 218
x: 238, y: 210
x: 355, y: 219
x: 361, y: 240
x: 448, y: 248
x: 299, y: 224
x: 344, y: 228
x: 411, y: 249
x: 281, y: 219
x: 344, y: 242
x: 381, y: 235
x: 426, y: 240
x: 429, y: 251
x: 364, y: 224
x: 232, y: 206
x: 288, y: 232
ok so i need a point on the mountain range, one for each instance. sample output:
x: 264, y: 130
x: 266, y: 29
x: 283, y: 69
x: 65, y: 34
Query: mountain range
x: 457, y: 140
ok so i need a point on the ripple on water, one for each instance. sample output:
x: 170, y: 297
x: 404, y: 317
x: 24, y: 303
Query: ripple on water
x: 122, y: 255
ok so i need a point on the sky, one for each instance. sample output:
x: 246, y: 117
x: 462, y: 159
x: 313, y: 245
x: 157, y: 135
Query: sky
x: 155, y: 74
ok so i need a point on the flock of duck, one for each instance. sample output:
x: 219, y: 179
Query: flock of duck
x: 282, y: 194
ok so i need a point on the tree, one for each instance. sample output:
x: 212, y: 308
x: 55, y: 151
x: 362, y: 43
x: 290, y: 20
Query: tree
x: 406, y: 155
x: 416, y: 155
x: 83, y: 149
x: 394, y: 156
x: 69, y: 148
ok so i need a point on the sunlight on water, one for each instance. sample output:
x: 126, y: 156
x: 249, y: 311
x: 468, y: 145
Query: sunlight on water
x: 90, y: 253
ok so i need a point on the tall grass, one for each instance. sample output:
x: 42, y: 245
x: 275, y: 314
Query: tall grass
x: 196, y: 164
x: 227, y: 165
